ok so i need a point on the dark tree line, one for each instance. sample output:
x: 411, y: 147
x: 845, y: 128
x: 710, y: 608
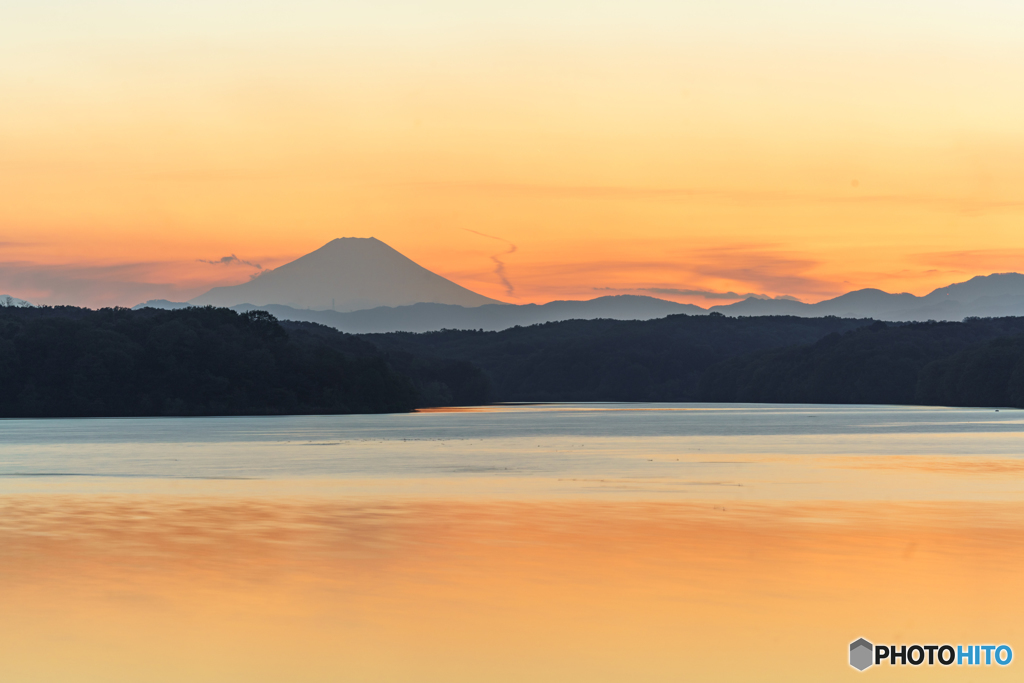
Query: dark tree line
x: 610, y: 360
x: 978, y: 362
x: 65, y: 361
x: 436, y: 381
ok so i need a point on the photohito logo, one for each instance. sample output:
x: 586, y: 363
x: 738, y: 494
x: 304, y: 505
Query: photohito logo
x: 863, y: 655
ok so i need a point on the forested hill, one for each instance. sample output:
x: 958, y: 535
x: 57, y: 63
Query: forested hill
x: 610, y: 360
x: 66, y: 361
x: 979, y: 362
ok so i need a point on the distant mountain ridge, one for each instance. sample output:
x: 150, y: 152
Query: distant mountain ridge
x: 346, y: 274
x: 64, y: 361
x: 984, y: 296
x: 361, y: 285
x: 429, y: 317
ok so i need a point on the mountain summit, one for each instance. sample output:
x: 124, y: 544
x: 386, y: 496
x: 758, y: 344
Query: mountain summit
x: 8, y: 301
x: 346, y: 274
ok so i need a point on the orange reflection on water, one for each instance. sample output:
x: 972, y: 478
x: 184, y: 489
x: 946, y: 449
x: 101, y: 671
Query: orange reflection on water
x: 173, y: 588
x: 1002, y: 467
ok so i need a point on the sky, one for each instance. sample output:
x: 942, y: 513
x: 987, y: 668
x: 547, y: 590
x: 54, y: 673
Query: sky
x: 528, y: 150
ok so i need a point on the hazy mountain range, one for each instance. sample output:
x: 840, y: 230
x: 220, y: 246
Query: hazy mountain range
x: 363, y: 285
x: 428, y: 317
x: 984, y: 296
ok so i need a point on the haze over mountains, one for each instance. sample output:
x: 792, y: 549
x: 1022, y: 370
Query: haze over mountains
x: 492, y: 317
x: 362, y: 285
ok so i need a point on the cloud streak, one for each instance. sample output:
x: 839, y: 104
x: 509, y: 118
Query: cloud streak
x: 777, y: 271
x: 974, y: 259
x: 702, y: 293
x: 706, y: 294
x: 963, y: 204
x: 230, y: 260
x: 760, y: 269
x: 123, y: 284
x: 234, y: 260
x: 96, y: 285
x: 499, y: 264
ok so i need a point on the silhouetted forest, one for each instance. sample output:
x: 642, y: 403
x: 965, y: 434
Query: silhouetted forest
x: 66, y: 361
x: 611, y: 360
x: 979, y: 362
x: 436, y: 381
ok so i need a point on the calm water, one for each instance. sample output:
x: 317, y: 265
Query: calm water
x: 598, y: 542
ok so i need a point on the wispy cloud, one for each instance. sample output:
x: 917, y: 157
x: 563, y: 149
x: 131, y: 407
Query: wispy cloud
x: 760, y: 269
x: 499, y: 264
x: 764, y: 268
x: 233, y: 260
x: 123, y: 284
x: 230, y: 260
x: 10, y: 244
x: 702, y: 293
x: 974, y: 260
x: 111, y: 284
x: 714, y: 295
x: 953, y: 204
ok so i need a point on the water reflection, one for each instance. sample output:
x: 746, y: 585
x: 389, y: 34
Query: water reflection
x: 169, y: 588
x: 543, y: 543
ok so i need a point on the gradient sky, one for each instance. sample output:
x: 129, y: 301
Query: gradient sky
x: 782, y: 148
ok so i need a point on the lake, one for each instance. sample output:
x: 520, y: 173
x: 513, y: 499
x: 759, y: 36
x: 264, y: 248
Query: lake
x: 569, y: 542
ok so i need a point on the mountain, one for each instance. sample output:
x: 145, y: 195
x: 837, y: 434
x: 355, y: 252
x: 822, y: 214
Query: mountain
x: 334, y: 272
x: 982, y: 286
x: 427, y: 317
x: 985, y: 296
x: 163, y: 305
x: 346, y: 274
x: 8, y: 301
x: 433, y: 317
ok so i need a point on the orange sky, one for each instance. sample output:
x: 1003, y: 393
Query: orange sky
x: 785, y: 148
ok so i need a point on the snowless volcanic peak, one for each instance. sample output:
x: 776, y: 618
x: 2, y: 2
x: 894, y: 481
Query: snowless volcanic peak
x: 346, y: 274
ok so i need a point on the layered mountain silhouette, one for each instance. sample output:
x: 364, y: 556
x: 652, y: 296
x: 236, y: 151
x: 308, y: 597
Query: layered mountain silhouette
x: 346, y: 274
x: 429, y: 317
x: 985, y: 296
x: 362, y: 285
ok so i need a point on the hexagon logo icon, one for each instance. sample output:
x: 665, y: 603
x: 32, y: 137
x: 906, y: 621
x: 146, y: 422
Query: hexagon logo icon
x: 861, y: 652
